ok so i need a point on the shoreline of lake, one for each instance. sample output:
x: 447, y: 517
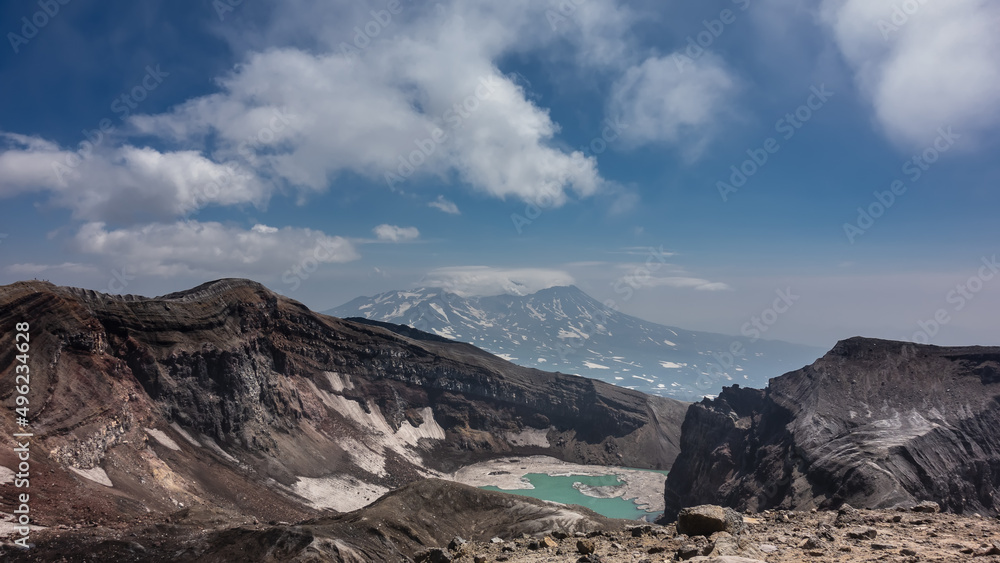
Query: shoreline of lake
x: 642, y: 487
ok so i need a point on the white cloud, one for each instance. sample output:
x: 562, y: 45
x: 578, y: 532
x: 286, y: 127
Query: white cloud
x: 935, y: 66
x: 656, y: 272
x: 206, y: 249
x: 392, y: 233
x: 375, y: 112
x: 680, y: 282
x: 485, y: 280
x: 125, y: 183
x: 445, y: 205
x: 675, y: 100
x: 300, y: 117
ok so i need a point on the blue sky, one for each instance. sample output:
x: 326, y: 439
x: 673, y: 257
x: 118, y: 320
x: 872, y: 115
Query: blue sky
x: 336, y: 149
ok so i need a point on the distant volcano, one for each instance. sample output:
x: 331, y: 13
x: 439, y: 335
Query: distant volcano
x: 564, y: 329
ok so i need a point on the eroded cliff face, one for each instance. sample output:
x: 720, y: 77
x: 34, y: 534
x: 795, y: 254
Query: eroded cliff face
x: 233, y: 397
x: 873, y: 423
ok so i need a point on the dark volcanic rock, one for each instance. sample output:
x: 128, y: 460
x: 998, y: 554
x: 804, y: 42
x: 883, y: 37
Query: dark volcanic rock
x: 707, y: 519
x: 412, y: 522
x: 874, y: 423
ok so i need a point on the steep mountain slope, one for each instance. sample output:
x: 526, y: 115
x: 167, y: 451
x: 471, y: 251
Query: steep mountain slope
x: 230, y: 398
x: 564, y: 329
x: 873, y: 423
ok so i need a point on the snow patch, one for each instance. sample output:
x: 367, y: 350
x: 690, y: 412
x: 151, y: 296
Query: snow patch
x: 445, y: 332
x: 6, y: 475
x: 437, y: 308
x: 210, y: 443
x: 177, y: 428
x: 534, y: 312
x: 370, y: 455
x: 163, y: 439
x: 340, y: 492
x: 95, y: 474
x: 337, y: 382
x: 429, y: 429
x: 399, y: 311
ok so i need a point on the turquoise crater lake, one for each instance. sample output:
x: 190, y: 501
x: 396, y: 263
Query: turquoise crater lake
x: 566, y: 489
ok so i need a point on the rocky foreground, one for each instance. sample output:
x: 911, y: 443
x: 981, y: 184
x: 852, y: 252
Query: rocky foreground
x: 845, y: 536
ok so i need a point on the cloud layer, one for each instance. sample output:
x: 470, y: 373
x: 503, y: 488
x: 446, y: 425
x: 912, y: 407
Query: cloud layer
x: 924, y: 64
x: 392, y: 233
x: 483, y: 280
x: 210, y: 249
x: 674, y: 100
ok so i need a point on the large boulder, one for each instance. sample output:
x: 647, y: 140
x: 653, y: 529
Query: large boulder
x: 707, y: 519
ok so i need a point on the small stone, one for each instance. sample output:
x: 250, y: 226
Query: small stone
x: 456, y: 543
x: 495, y: 539
x: 639, y: 531
x: 768, y: 548
x: 687, y: 551
x: 928, y: 506
x: 907, y: 551
x: 479, y: 559
x: 866, y: 533
x: 433, y: 555
x: 883, y: 546
x: 585, y: 546
x: 549, y: 542
x: 808, y: 543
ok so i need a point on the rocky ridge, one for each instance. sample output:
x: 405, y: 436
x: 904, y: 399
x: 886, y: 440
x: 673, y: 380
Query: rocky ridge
x: 231, y: 399
x: 874, y: 423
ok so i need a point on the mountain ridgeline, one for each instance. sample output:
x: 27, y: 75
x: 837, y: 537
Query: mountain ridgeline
x: 231, y: 398
x: 564, y: 329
